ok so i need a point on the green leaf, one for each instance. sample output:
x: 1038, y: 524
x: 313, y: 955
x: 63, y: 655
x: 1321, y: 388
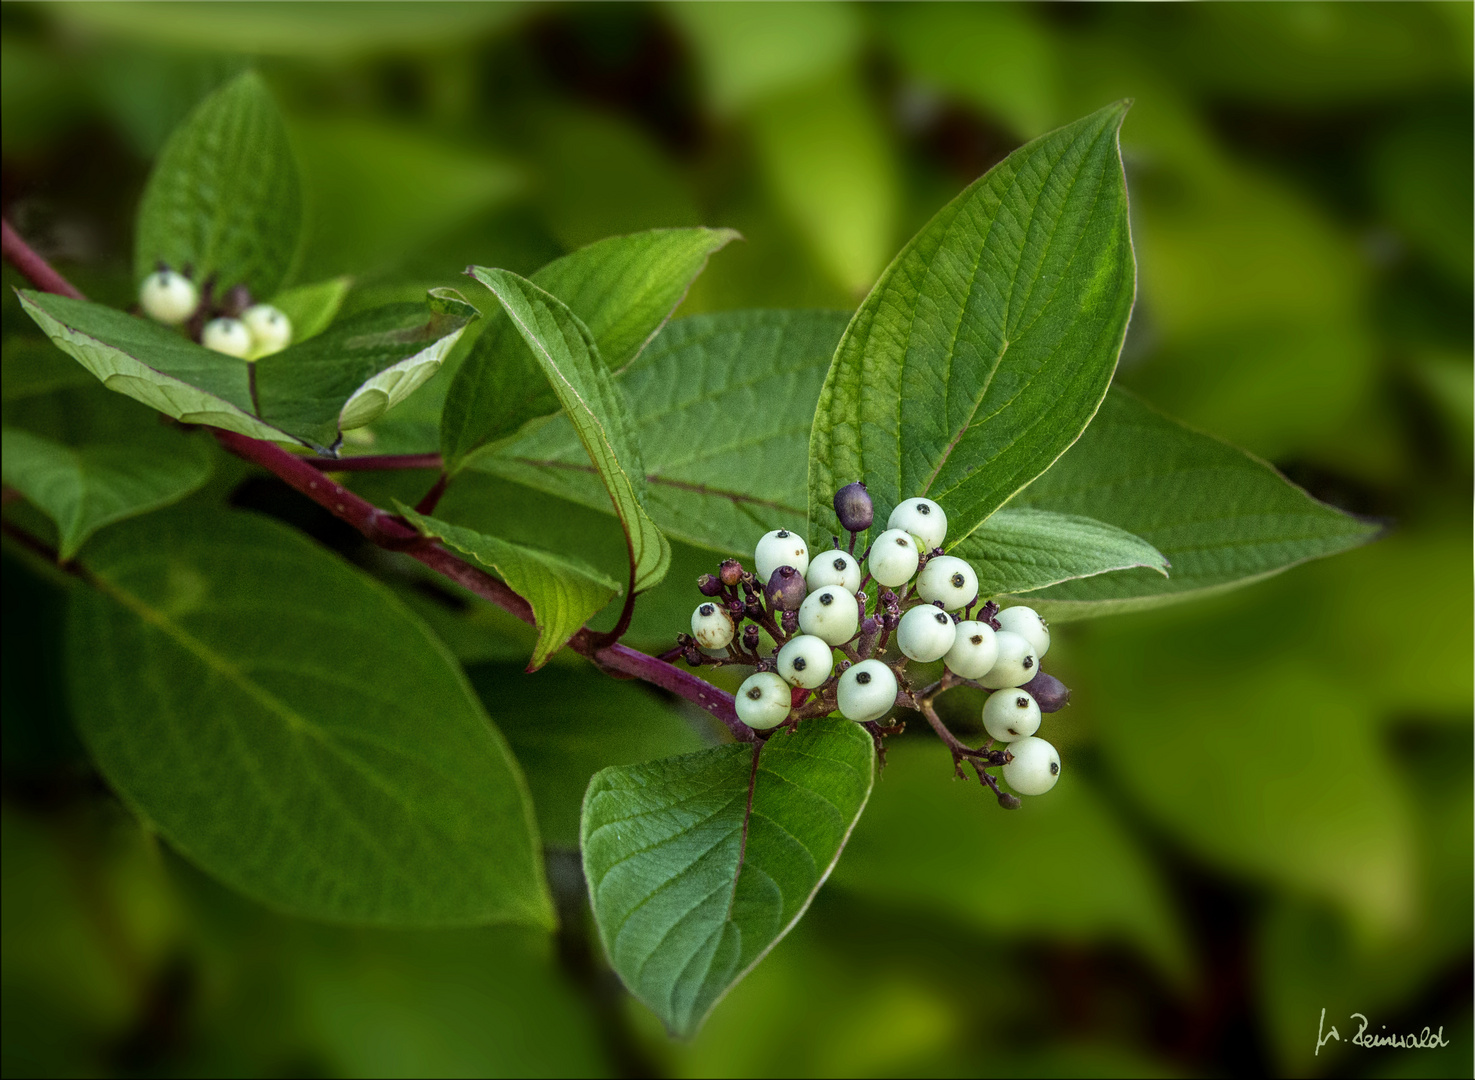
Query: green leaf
x: 698, y: 865
x: 1221, y: 516
x: 623, y: 289
x: 307, y: 393
x: 563, y: 592
x: 84, y: 488
x: 224, y: 198
x: 570, y: 359
x: 723, y: 403
x: 1019, y: 549
x: 285, y: 723
x: 312, y: 308
x: 987, y: 345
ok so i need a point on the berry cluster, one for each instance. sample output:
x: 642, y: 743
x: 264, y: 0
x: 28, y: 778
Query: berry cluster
x: 234, y: 326
x: 799, y: 612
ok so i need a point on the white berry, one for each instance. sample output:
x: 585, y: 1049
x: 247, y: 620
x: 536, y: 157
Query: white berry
x: 711, y: 625
x: 926, y: 634
x: 763, y: 701
x: 780, y: 548
x: 1011, y: 714
x: 228, y: 336
x: 974, y: 650
x: 831, y: 614
x: 1016, y: 664
x: 867, y: 691
x: 1035, y: 768
x: 923, y: 518
x: 893, y: 558
x: 806, y: 661
x: 168, y: 297
x: 1027, y: 623
x: 833, y: 568
x: 270, y: 329
x: 948, y: 579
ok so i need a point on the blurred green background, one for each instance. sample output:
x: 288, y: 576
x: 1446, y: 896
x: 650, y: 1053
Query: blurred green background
x: 1267, y: 809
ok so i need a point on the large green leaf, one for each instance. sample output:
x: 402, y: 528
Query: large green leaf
x: 563, y: 592
x: 1221, y: 516
x: 224, y: 198
x: 83, y: 488
x: 987, y: 345
x: 307, y: 393
x: 570, y: 360
x: 623, y: 289
x: 723, y: 404
x: 697, y: 865
x: 283, y: 721
x: 1018, y: 549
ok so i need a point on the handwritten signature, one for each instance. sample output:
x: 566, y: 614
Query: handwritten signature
x: 1424, y: 1040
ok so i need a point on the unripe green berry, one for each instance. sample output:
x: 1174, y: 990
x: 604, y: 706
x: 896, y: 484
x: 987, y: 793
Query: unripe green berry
x: 893, y: 558
x: 926, y: 634
x: 270, y: 328
x: 806, y: 661
x: 780, y: 548
x: 1011, y: 714
x: 974, y: 650
x: 1027, y: 623
x: 830, y: 614
x: 712, y: 626
x: 762, y: 701
x: 924, y: 519
x: 948, y: 579
x: 1035, y: 768
x: 168, y: 297
x: 1016, y: 664
x: 228, y: 336
x: 866, y: 691
x: 834, y: 567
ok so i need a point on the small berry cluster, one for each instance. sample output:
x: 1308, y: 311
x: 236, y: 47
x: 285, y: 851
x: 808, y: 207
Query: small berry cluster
x: 234, y: 326
x: 809, y: 609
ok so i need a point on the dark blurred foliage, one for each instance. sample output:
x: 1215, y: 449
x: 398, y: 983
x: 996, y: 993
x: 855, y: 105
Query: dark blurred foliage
x: 1268, y: 807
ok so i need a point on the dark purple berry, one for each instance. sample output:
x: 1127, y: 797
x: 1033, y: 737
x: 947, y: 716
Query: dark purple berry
x: 785, y: 590
x: 750, y: 638
x: 236, y: 300
x: 1050, y: 693
x: 853, y: 507
x: 707, y: 585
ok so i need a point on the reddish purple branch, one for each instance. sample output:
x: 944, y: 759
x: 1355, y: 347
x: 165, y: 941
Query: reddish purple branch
x: 36, y: 269
x: 306, y: 476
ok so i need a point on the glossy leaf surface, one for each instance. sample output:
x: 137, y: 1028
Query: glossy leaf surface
x: 987, y: 345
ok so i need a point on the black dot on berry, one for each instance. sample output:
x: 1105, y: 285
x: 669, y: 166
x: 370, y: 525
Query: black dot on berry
x: 923, y: 508
x: 840, y: 565
x: 1014, y: 733
x: 977, y: 639
x: 941, y: 618
x: 957, y: 581
x: 754, y: 694
x: 1054, y: 768
x: 826, y: 598
x: 1029, y: 662
x: 800, y: 663
x: 902, y: 541
x: 863, y: 677
x: 1021, y: 702
x: 783, y: 534
x: 707, y: 609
